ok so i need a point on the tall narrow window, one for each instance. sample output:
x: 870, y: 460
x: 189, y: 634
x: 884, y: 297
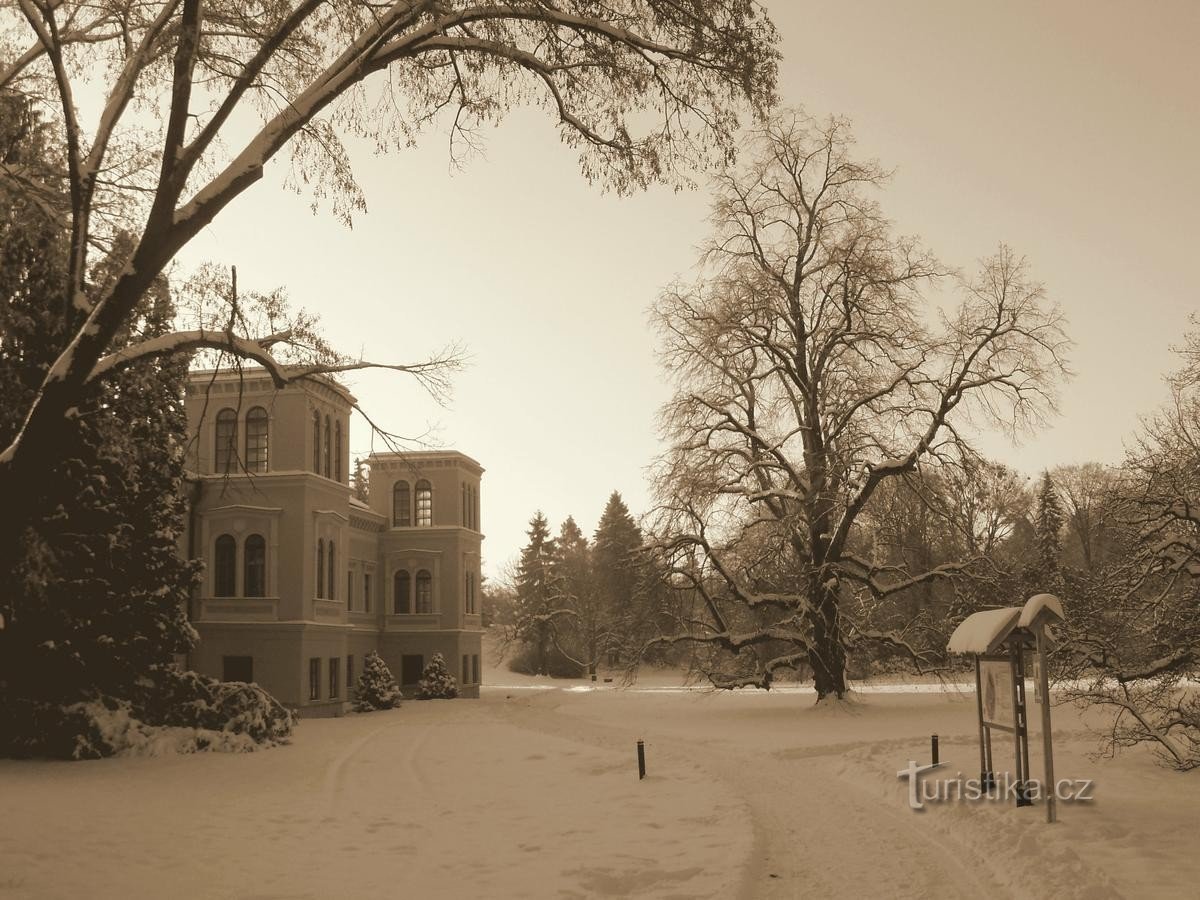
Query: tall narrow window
x: 401, y: 590
x: 314, y: 678
x: 466, y: 521
x: 349, y: 676
x: 367, y: 592
x: 349, y: 590
x: 475, y: 668
x: 256, y: 440
x: 466, y: 669
x: 424, y: 592
x: 254, y: 561
x: 226, y: 460
x: 225, y: 566
x: 475, y: 508
x: 330, y: 595
x: 335, y: 667
x: 328, y: 449
x: 337, y: 450
x: 401, y: 512
x: 316, y: 442
x: 424, y: 504
x: 320, y: 568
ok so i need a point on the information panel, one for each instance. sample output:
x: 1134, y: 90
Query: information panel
x: 995, y: 678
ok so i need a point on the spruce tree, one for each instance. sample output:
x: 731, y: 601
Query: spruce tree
x: 534, y: 605
x: 93, y: 597
x: 360, y: 481
x: 1046, y: 573
x: 436, y: 681
x: 580, y: 632
x: 617, y: 570
x: 376, y: 687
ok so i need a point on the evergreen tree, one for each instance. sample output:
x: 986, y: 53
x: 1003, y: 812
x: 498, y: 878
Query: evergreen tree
x: 376, y: 688
x: 436, y: 681
x: 94, y: 595
x: 1049, y: 518
x: 579, y: 631
x: 617, y: 571
x: 534, y: 607
x: 360, y: 481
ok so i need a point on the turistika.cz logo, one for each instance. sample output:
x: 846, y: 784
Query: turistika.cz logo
x: 1002, y: 787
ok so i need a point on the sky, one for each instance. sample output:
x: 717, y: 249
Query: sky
x: 1068, y: 130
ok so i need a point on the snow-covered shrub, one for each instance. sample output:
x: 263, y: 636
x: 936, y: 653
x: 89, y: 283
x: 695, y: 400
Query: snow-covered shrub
x: 436, y: 681
x: 174, y: 697
x: 108, y: 728
x: 376, y: 688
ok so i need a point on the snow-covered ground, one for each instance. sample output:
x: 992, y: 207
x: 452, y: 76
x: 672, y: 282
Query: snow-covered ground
x: 534, y: 793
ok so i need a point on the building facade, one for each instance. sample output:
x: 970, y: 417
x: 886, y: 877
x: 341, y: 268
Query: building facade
x: 301, y: 578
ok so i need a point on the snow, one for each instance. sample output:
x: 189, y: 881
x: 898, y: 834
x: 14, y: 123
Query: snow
x: 982, y: 632
x: 534, y: 793
x: 1045, y: 607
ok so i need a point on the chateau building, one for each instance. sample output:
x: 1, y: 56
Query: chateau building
x: 301, y: 578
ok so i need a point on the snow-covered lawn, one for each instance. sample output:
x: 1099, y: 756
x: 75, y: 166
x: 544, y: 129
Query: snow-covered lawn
x: 534, y: 793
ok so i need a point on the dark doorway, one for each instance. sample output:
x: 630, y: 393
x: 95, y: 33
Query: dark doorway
x: 238, y: 668
x: 410, y: 668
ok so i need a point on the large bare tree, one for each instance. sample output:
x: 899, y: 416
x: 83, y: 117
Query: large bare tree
x: 197, y: 96
x: 811, y: 369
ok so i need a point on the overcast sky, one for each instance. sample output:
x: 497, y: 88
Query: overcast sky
x: 1066, y: 129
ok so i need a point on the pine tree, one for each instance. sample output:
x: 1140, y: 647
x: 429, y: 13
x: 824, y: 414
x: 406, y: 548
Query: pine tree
x: 617, y: 570
x: 436, y: 681
x: 535, y: 593
x: 1046, y: 574
x: 376, y: 688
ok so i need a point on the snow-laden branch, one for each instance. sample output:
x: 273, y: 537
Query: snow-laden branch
x: 255, y: 349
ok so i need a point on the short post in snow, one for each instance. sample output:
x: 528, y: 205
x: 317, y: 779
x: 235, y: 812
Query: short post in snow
x: 933, y: 742
x: 641, y: 760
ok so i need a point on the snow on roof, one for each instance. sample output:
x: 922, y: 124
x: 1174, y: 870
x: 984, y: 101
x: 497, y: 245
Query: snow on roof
x: 983, y: 632
x: 1045, y: 609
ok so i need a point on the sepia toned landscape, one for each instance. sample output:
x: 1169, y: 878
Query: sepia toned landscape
x: 598, y: 448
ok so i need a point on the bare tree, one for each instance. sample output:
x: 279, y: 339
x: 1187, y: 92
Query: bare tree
x: 1087, y: 490
x: 810, y: 372
x: 642, y: 90
x: 1136, y: 646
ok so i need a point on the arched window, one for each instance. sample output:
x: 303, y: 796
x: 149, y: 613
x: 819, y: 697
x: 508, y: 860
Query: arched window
x: 327, y: 449
x: 424, y: 592
x: 337, y: 450
x: 401, y: 512
x: 256, y: 440
x: 320, y: 568
x: 401, y: 590
x: 254, y: 563
x: 424, y: 504
x: 226, y: 459
x: 316, y: 442
x: 329, y: 594
x: 225, y: 566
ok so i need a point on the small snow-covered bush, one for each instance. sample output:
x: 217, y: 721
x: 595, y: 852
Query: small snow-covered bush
x: 376, y: 688
x: 436, y: 681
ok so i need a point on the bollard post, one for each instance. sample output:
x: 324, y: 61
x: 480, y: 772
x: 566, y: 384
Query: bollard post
x: 933, y: 740
x: 641, y: 760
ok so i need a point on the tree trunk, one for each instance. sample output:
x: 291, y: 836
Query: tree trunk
x: 826, y: 655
